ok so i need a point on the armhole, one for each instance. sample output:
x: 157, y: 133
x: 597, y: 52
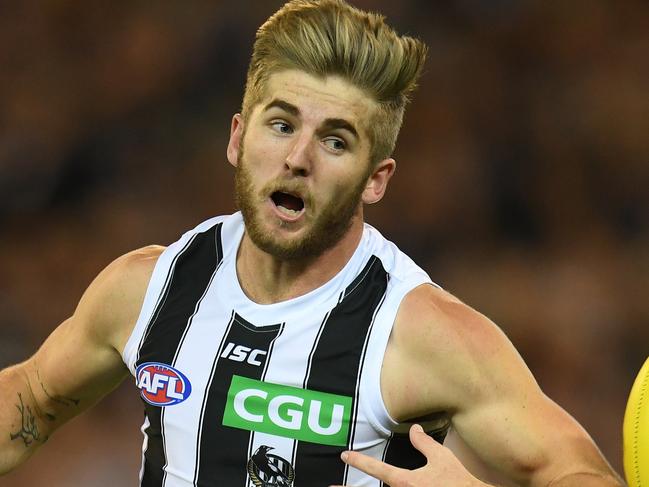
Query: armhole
x: 154, y: 294
x: 371, y: 399
x: 156, y: 289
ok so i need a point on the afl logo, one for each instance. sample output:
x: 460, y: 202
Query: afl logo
x: 161, y: 384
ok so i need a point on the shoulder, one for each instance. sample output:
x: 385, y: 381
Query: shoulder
x: 137, y: 264
x: 435, y: 320
x: 395, y: 262
x: 448, y: 348
x: 111, y: 304
x: 128, y: 274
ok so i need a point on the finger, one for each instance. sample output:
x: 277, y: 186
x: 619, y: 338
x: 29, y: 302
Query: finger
x: 423, y: 442
x: 371, y: 466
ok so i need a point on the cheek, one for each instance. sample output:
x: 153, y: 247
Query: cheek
x: 337, y: 190
x: 264, y: 155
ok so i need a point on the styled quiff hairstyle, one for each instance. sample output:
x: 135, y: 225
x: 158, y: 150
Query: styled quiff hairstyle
x: 330, y: 37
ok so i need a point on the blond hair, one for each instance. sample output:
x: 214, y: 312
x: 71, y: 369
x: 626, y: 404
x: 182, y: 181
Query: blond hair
x: 330, y: 37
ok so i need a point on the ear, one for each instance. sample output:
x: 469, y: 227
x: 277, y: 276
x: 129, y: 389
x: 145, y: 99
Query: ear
x: 377, y: 182
x: 236, y: 136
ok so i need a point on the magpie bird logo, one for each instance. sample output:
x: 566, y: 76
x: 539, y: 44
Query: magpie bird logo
x: 268, y: 470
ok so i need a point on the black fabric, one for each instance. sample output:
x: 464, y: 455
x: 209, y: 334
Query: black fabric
x: 401, y: 453
x: 335, y: 368
x: 223, y: 453
x: 189, y: 278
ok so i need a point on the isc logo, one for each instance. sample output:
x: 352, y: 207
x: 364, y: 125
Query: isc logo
x: 239, y: 353
x: 161, y: 384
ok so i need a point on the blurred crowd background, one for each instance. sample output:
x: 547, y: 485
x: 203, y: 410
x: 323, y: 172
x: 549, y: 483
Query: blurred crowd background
x: 522, y: 184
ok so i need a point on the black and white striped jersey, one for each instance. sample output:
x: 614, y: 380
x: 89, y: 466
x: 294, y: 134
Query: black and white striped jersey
x: 242, y: 394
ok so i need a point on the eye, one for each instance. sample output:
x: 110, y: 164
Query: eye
x: 335, y: 144
x: 281, y: 127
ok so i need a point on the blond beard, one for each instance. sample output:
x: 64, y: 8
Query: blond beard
x: 327, y: 229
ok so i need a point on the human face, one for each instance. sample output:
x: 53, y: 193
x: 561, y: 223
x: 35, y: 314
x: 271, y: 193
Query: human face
x: 301, y: 179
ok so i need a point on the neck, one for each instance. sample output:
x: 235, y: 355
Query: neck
x: 266, y: 279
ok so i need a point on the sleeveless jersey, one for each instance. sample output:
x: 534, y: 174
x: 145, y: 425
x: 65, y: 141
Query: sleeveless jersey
x: 242, y: 394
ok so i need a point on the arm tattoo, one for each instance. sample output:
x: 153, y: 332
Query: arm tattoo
x: 65, y: 401
x: 28, y: 431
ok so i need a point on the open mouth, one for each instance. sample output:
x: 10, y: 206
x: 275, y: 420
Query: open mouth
x: 289, y: 204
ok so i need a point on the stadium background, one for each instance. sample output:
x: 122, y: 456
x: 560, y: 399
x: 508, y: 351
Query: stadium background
x: 522, y: 184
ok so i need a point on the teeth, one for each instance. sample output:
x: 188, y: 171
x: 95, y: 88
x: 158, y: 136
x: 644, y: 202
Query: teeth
x: 288, y: 211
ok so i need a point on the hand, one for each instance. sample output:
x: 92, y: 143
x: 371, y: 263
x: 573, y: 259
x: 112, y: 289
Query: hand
x: 442, y: 468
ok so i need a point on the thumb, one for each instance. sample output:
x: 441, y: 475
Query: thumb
x: 422, y: 442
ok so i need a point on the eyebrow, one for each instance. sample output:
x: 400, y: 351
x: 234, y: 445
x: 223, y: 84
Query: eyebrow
x: 328, y: 124
x: 339, y: 123
x: 283, y: 105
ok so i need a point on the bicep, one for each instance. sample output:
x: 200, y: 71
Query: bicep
x: 513, y: 426
x: 72, y: 370
x: 473, y: 463
x: 476, y: 376
x: 529, y: 442
x: 81, y: 361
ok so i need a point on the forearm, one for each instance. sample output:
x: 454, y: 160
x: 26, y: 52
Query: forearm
x: 22, y: 428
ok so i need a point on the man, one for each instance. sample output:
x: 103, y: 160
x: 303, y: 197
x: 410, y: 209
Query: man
x: 267, y: 343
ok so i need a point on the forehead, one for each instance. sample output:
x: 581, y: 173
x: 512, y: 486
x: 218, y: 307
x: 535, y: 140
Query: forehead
x: 320, y: 98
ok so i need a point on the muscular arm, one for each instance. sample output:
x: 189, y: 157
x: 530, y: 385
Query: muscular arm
x: 468, y: 368
x: 78, y: 364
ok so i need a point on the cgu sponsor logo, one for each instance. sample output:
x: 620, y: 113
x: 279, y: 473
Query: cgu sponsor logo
x: 161, y: 384
x: 292, y: 412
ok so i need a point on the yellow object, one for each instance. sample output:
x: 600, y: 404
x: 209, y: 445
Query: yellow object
x: 636, y: 431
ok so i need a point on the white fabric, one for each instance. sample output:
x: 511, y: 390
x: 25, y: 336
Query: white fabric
x: 302, y: 317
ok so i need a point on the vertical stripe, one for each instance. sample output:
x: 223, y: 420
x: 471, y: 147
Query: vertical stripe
x: 308, y: 369
x: 163, y: 295
x: 338, y: 355
x: 401, y: 453
x: 358, y: 384
x: 223, y: 450
x: 144, y: 446
x: 182, y: 340
x: 191, y: 273
x: 205, y: 395
x: 385, y: 451
x: 251, y: 441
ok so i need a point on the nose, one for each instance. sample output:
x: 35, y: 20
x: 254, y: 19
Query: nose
x: 298, y: 160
